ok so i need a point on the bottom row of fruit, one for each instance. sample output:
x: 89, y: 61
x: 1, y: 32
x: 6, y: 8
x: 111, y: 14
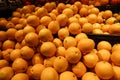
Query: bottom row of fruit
x: 68, y: 62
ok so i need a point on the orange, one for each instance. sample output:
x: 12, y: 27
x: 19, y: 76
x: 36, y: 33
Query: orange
x: 93, y: 10
x: 101, y: 13
x: 77, y: 16
x: 83, y: 12
x: 104, y: 2
x: 45, y: 20
x: 104, y: 45
x: 57, y: 42
x: 28, y: 72
x: 73, y: 19
x: 60, y: 64
x: 15, y: 54
x: 97, y: 3
x: 68, y: 5
x: 19, y: 35
x: 68, y: 12
x: 54, y: 26
x: 26, y: 15
x: 63, y: 32
x: 90, y: 6
x: 48, y: 62
x: 118, y: 17
x: 41, y: 11
x: 2, y: 18
x: 80, y: 36
x: 97, y: 31
x: 48, y: 6
x: 94, y: 51
x: 60, y: 51
x: 46, y: 50
x: 116, y: 47
x: 16, y: 14
x: 31, y: 39
x: 79, y: 69
x: 23, y: 43
x: 116, y: 73
x: 3, y: 35
x: 18, y: 45
x: 104, y: 70
x: 115, y: 57
x: 54, y: 11
x: 90, y: 60
x: 8, y: 44
x: 92, y: 18
x: 36, y: 71
x: 87, y: 28
x: 45, y: 35
x: 6, y: 73
x: 69, y: 41
x: 53, y: 75
x: 60, y: 7
x: 28, y: 29
x: 38, y: 28
x: 36, y: 8
x: 111, y: 20
x: 68, y: 75
x: 114, y: 28
x: 53, y: 4
x: 37, y: 59
x: 74, y: 28
x: 91, y: 76
x: 23, y: 21
x: 10, y: 25
x: 100, y: 19
x: 74, y: 9
x: 20, y: 76
x: 96, y: 26
x: 15, y: 20
x: 73, y: 55
x: 107, y: 14
x: 19, y: 65
x: 52, y: 15
x: 105, y: 28
x: 26, y: 9
x: 3, y: 63
x: 82, y: 20
x: 115, y: 14
x: 3, y: 23
x: 62, y: 19
x: 6, y: 54
x: 11, y: 33
x: 19, y: 26
x: 104, y: 55
x: 33, y: 20
x: 78, y: 4
x: 86, y: 45
x: 26, y: 52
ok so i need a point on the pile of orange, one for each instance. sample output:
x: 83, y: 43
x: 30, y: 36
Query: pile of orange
x: 50, y: 43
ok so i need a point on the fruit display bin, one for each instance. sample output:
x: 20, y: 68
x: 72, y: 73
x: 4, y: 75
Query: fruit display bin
x: 112, y: 38
x: 7, y: 12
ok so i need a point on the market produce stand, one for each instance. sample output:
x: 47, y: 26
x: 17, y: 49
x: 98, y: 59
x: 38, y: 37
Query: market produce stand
x: 57, y: 41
